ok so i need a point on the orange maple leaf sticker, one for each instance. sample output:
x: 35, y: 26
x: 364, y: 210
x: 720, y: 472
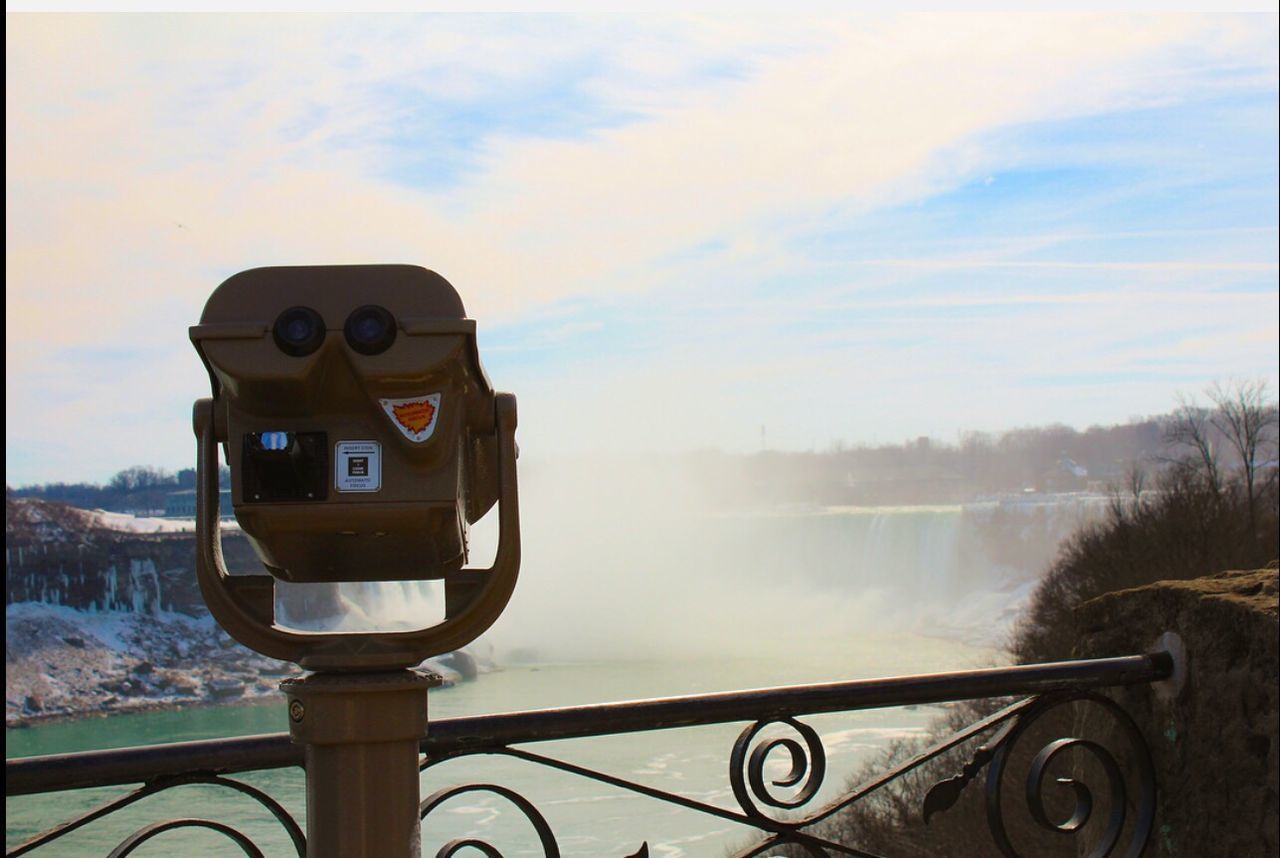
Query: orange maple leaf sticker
x: 415, y: 416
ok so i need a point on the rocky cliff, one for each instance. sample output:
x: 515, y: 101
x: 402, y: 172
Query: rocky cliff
x: 104, y: 613
x: 99, y: 561
x: 59, y: 555
x: 1212, y: 733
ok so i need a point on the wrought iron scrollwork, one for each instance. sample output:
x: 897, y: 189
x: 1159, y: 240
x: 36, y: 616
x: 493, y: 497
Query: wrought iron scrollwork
x: 1117, y: 795
x: 807, y: 768
x: 290, y: 825
x: 945, y: 793
x: 747, y: 763
x: 546, y: 837
x: 144, y: 834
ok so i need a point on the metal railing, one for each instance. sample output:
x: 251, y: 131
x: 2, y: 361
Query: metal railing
x: 1040, y: 689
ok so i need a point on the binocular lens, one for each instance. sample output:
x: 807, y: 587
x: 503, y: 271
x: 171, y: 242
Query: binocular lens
x: 370, y: 329
x: 298, y: 331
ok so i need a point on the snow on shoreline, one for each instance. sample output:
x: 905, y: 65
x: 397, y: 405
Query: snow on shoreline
x: 108, y: 627
x: 64, y: 663
x: 127, y: 523
x: 61, y: 662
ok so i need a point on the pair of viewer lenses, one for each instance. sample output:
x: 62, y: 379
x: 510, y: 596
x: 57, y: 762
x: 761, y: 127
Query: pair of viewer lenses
x: 370, y: 330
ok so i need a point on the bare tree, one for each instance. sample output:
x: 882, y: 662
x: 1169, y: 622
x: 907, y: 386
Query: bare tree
x: 1247, y: 419
x: 1137, y: 482
x: 1192, y: 426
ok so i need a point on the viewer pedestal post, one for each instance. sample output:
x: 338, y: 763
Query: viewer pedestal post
x: 361, y: 732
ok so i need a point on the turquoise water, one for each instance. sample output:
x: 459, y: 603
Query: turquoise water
x: 588, y: 818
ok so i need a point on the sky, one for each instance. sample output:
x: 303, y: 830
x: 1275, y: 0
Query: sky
x: 675, y: 232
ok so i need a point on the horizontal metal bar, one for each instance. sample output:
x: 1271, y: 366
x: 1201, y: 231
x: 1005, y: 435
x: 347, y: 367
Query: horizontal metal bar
x: 455, y: 734
x: 29, y: 775
x: 56, y: 772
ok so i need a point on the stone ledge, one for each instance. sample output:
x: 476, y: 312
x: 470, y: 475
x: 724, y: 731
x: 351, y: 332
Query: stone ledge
x: 1215, y: 745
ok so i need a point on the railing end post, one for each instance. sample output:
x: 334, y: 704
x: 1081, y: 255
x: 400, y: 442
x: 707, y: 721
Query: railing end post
x: 1170, y: 654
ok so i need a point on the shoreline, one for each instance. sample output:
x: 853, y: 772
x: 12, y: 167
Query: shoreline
x: 142, y: 705
x: 41, y: 719
x: 62, y: 664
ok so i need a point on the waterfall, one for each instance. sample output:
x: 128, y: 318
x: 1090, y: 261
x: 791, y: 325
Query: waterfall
x: 359, y: 606
x: 634, y: 582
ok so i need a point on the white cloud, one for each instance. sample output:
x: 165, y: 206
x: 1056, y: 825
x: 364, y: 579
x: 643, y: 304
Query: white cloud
x: 149, y: 157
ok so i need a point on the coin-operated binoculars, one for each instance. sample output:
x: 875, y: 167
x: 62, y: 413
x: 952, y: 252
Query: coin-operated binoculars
x: 363, y: 438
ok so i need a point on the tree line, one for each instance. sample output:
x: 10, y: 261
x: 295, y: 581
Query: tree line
x: 137, y: 489
x: 1055, y: 458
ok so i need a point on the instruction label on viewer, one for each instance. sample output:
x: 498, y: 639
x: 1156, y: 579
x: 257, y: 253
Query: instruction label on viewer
x: 358, y: 466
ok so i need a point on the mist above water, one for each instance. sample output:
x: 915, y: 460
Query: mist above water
x: 652, y: 558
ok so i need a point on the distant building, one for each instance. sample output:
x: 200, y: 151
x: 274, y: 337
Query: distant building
x: 182, y: 504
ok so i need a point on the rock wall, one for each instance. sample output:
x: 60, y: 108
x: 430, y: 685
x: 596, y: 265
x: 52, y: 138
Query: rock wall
x: 54, y: 555
x: 1214, y: 741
